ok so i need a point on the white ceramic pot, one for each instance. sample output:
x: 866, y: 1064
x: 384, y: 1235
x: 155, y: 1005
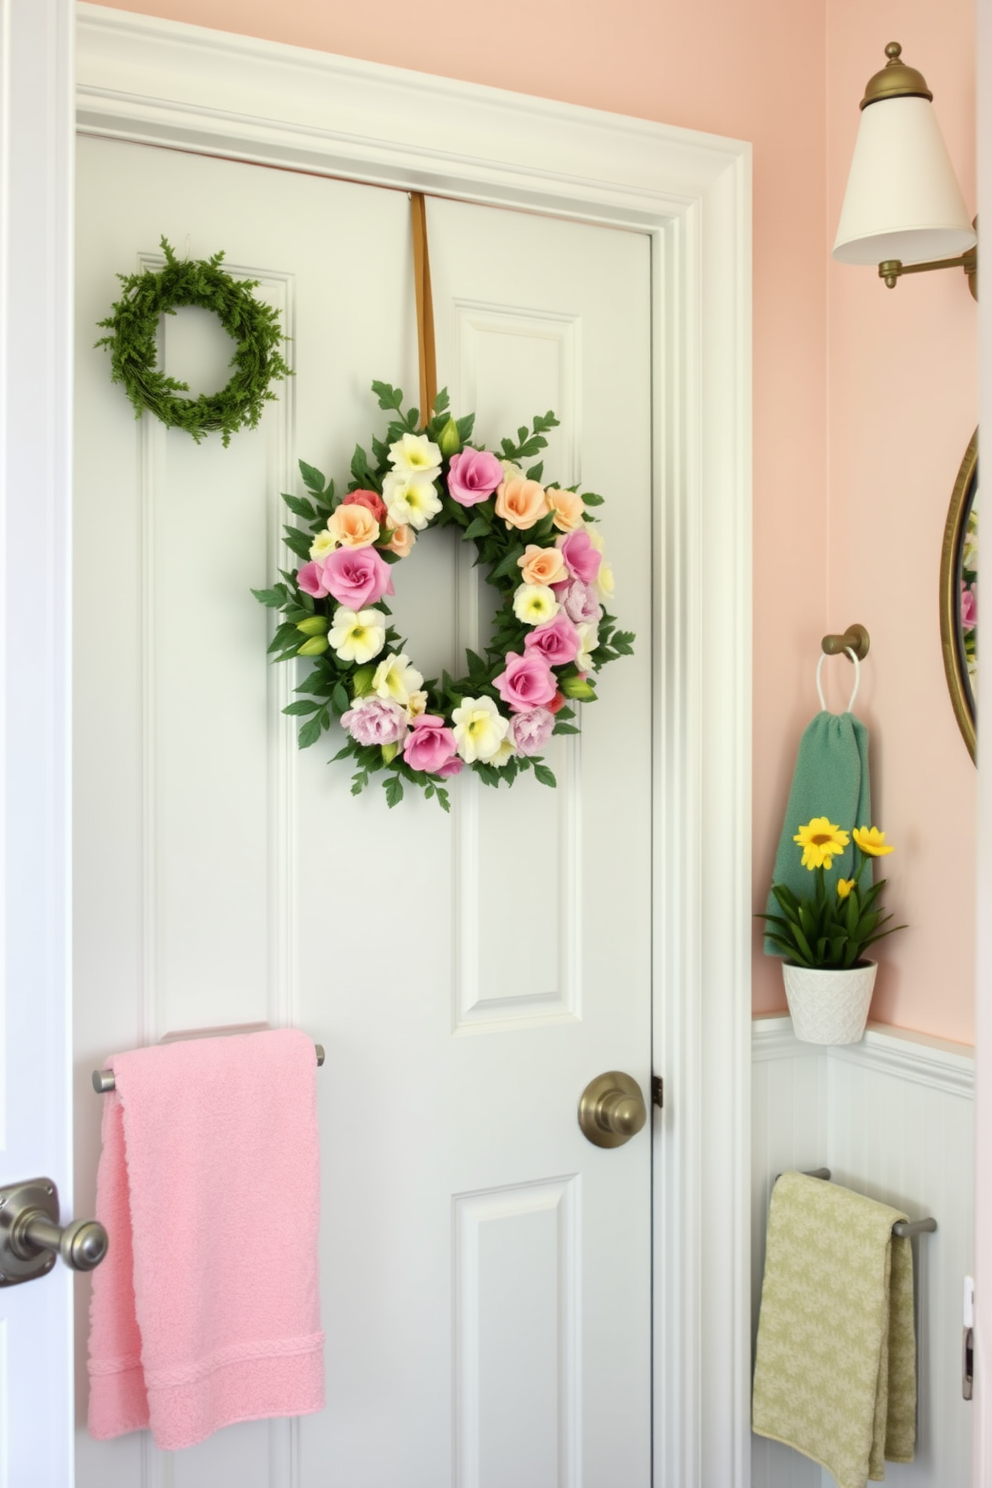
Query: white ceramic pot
x: 829, y: 1007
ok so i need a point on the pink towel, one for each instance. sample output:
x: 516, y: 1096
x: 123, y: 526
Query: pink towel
x: 206, y: 1311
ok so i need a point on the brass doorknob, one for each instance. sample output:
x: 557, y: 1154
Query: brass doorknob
x: 611, y: 1109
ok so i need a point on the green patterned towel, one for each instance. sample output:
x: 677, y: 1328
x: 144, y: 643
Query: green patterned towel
x: 835, y: 1375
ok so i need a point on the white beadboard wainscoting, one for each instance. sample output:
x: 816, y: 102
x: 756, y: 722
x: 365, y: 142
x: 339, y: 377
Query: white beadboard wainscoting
x: 891, y: 1117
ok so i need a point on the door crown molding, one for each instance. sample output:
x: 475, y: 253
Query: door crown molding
x: 166, y: 82
x: 159, y: 82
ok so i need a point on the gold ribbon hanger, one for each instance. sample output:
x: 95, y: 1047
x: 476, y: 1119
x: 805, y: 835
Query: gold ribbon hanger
x: 426, y: 354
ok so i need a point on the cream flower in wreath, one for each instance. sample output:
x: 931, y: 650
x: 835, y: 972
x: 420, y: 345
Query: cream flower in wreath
x: 415, y: 454
x: 411, y: 499
x: 416, y: 704
x: 357, y: 636
x: 396, y: 679
x: 604, y: 583
x: 479, y: 729
x: 325, y: 542
x: 507, y: 749
x: 533, y: 604
x: 588, y: 643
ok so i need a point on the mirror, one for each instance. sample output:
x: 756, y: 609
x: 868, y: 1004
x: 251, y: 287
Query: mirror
x: 959, y: 596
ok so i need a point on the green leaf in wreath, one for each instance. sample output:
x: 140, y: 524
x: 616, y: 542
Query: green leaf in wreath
x: 476, y: 666
x: 302, y: 708
x: 316, y: 681
x: 284, y: 636
x: 312, y: 479
x: 509, y: 563
x: 544, y: 775
x: 393, y: 786
x: 271, y: 597
x: 300, y: 507
x: 340, y: 698
x: 360, y: 469
x: 298, y: 542
x: 309, y: 733
x: 389, y: 397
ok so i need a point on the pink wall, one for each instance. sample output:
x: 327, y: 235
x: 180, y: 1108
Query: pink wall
x: 760, y: 71
x: 903, y: 404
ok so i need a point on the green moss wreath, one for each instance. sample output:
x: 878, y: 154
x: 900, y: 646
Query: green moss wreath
x: 253, y: 325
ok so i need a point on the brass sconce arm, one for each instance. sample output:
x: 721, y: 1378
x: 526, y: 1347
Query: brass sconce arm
x: 891, y: 269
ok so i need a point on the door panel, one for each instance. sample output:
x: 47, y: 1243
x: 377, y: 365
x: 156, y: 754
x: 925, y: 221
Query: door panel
x: 483, y: 1268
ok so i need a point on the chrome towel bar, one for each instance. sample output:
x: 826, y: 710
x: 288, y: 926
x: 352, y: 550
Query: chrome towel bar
x: 103, y: 1080
x: 904, y: 1228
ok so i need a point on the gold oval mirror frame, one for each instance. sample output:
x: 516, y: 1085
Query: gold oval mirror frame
x: 959, y: 596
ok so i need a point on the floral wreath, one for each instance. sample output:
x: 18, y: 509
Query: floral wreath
x: 252, y: 324
x: 539, y: 549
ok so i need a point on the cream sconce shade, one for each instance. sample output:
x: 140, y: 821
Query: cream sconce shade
x: 903, y: 209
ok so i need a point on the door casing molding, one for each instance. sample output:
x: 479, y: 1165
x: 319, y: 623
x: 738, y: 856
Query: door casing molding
x: 163, y: 83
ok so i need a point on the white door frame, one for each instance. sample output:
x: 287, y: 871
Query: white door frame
x: 36, y: 270
x: 163, y: 83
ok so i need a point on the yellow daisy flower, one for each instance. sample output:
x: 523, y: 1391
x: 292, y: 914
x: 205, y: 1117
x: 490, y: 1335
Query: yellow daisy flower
x: 872, y: 841
x: 844, y: 886
x: 821, y: 841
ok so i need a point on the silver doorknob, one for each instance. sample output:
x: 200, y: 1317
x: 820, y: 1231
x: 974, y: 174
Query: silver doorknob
x: 611, y: 1109
x: 31, y: 1236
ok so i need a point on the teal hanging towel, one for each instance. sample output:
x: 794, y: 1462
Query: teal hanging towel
x: 831, y: 779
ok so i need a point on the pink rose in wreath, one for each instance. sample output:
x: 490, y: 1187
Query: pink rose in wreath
x: 581, y: 559
x: 532, y: 730
x: 371, y: 500
x: 969, y: 606
x: 557, y: 641
x: 356, y: 577
x: 526, y: 683
x: 453, y: 767
x: 375, y: 720
x: 429, y: 745
x: 579, y: 602
x: 473, y: 475
x: 311, y: 580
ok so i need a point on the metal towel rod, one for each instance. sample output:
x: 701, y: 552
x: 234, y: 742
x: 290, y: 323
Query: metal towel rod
x: 103, y: 1080
x: 904, y: 1228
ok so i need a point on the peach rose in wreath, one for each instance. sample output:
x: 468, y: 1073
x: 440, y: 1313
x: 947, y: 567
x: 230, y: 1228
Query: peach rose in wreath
x: 353, y: 526
x: 541, y: 565
x: 567, y: 506
x: 401, y: 541
x: 521, y: 502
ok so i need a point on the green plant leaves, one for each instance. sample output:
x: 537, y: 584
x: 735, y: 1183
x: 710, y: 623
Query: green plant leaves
x: 253, y: 325
x: 826, y: 930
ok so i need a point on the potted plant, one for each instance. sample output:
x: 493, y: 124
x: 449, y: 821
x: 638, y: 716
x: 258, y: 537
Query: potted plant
x: 824, y: 935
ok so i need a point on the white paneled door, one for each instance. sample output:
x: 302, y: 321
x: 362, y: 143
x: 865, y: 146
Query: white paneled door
x: 485, y: 1271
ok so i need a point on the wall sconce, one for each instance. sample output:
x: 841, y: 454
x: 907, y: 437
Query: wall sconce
x: 903, y: 209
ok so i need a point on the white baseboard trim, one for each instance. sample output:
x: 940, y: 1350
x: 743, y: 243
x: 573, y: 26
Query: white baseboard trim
x: 918, y: 1057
